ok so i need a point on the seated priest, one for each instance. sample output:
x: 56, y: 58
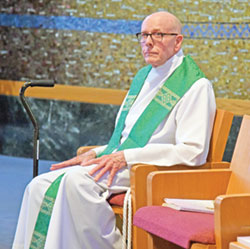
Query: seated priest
x: 165, y: 119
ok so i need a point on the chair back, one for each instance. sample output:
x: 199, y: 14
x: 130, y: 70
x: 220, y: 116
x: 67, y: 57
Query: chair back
x: 240, y: 179
x: 222, y: 124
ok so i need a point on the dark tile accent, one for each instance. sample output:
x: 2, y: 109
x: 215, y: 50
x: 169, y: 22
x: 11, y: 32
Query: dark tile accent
x: 232, y: 138
x: 64, y: 126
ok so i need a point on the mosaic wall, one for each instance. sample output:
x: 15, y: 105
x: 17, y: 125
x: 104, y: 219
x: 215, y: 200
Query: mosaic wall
x: 92, y: 43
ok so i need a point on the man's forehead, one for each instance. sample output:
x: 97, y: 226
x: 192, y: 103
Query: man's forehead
x: 154, y: 25
x: 152, y: 30
x: 161, y: 21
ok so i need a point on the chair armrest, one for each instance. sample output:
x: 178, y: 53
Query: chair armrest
x: 232, y: 218
x: 84, y: 149
x: 139, y: 173
x: 190, y: 184
x: 220, y: 165
x: 138, y: 182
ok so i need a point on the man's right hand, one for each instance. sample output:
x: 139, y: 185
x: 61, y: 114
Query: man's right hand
x: 78, y: 160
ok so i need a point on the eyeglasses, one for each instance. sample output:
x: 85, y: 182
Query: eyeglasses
x: 158, y: 36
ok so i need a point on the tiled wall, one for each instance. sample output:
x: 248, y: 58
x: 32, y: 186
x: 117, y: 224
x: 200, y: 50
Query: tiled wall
x: 92, y: 43
x: 63, y: 126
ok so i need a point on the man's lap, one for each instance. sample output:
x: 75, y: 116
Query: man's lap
x: 80, y: 174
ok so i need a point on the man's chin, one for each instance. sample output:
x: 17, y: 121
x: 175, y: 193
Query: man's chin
x: 150, y: 60
x: 153, y: 63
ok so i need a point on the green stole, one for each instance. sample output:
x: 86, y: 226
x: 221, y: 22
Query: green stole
x: 166, y: 98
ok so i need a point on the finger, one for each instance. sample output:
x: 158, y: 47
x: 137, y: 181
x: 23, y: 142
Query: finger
x: 69, y: 162
x: 91, y: 161
x: 58, y: 167
x: 63, y: 164
x: 111, y: 176
x: 107, y: 167
x: 98, y: 167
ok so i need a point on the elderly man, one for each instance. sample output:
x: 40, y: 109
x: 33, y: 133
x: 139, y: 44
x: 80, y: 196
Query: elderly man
x: 166, y: 119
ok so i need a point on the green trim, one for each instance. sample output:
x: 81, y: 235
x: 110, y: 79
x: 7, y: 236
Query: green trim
x: 43, y: 219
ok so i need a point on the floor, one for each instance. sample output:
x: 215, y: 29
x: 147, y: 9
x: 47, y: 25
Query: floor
x: 15, y: 173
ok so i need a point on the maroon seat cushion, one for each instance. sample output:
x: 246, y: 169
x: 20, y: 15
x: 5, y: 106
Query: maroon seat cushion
x: 117, y: 199
x: 179, y: 227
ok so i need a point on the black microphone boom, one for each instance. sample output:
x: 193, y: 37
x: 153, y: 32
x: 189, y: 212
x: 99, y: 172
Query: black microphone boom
x: 39, y: 83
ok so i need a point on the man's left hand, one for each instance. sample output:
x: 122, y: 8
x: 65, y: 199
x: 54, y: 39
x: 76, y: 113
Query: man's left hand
x: 112, y: 163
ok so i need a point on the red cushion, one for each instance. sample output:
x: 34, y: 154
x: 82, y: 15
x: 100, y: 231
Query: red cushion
x: 179, y: 227
x: 117, y: 199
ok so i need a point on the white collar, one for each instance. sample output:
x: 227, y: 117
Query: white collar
x: 163, y: 71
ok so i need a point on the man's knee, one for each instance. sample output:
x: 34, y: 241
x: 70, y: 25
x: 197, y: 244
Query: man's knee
x: 77, y: 181
x: 75, y: 177
x: 37, y: 186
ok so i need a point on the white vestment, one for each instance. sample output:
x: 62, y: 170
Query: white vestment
x: 81, y: 217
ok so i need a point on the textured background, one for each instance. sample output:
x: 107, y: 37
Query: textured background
x: 92, y: 43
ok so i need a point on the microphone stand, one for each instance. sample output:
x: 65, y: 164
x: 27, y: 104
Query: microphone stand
x: 39, y: 83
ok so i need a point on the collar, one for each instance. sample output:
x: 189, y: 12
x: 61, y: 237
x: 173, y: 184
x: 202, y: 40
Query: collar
x: 167, y: 68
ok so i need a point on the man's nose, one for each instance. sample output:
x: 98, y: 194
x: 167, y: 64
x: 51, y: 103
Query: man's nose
x: 149, y: 40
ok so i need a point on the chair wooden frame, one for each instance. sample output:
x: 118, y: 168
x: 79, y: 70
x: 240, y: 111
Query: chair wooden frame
x: 229, y: 187
x: 139, y: 172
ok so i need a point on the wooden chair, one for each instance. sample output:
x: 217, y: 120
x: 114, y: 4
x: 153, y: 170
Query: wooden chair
x: 139, y: 172
x: 229, y: 187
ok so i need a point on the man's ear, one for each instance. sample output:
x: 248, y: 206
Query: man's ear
x: 178, y: 42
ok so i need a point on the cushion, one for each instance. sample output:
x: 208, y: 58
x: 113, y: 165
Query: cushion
x: 117, y: 199
x: 179, y: 227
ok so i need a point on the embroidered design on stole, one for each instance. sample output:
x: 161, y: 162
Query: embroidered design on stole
x: 38, y: 240
x: 128, y: 102
x: 166, y: 98
x: 43, y: 219
x: 47, y: 205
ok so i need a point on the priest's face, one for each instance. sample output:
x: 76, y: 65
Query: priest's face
x: 160, y: 38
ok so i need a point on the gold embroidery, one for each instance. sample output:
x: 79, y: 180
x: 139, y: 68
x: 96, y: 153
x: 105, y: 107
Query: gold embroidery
x: 37, y: 241
x: 166, y: 98
x: 47, y: 205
